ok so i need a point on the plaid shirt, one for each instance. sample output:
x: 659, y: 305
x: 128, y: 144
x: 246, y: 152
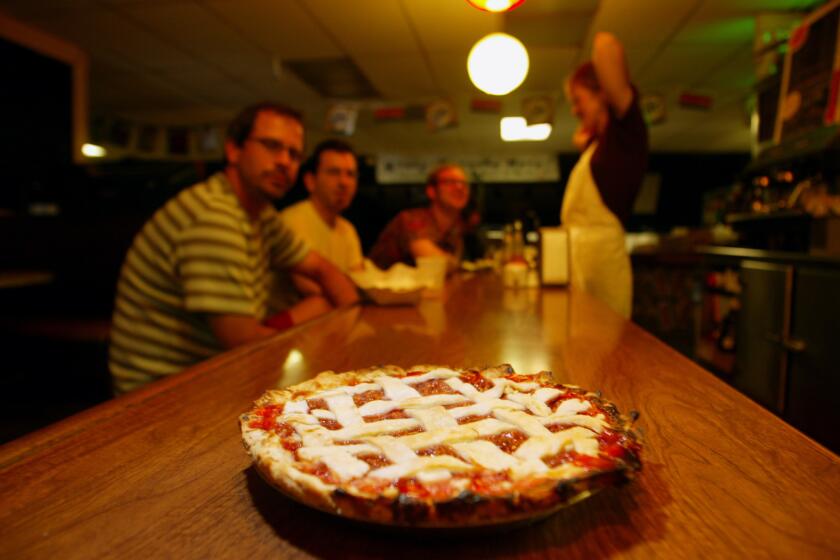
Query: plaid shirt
x: 394, y: 243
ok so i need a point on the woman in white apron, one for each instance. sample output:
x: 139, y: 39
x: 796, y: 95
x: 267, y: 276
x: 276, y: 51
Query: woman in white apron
x: 603, y: 184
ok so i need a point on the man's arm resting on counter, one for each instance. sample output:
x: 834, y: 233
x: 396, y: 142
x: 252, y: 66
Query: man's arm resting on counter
x: 428, y: 248
x: 235, y: 330
x: 335, y: 286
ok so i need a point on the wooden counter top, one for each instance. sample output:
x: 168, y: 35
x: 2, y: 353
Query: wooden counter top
x: 162, y: 472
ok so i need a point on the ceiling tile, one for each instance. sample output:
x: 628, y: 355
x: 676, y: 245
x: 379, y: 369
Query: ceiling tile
x: 109, y: 31
x: 683, y: 65
x: 366, y: 27
x: 549, y: 29
x: 399, y: 75
x: 444, y: 25
x: 536, y: 7
x: 549, y: 68
x: 281, y: 28
x: 191, y: 29
x: 644, y: 22
x: 46, y: 9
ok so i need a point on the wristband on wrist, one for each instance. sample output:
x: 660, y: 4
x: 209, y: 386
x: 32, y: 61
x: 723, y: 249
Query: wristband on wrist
x: 281, y: 321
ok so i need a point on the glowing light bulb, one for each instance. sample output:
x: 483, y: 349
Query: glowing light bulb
x: 495, y: 5
x: 93, y: 150
x: 498, y: 64
x: 516, y: 129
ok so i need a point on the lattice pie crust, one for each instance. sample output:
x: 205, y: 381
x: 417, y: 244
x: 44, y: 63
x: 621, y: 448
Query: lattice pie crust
x: 435, y: 446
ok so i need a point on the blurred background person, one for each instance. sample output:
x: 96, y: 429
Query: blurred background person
x: 331, y: 179
x: 434, y: 230
x: 603, y: 185
x: 200, y: 275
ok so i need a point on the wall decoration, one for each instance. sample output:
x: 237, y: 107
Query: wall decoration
x: 392, y: 113
x: 538, y: 109
x: 695, y: 101
x: 653, y: 109
x: 441, y: 114
x: 531, y: 168
x: 483, y: 105
x: 341, y: 118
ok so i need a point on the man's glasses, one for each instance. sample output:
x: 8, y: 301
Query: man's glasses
x: 276, y: 147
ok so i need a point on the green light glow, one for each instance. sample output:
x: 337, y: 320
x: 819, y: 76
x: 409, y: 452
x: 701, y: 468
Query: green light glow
x: 734, y: 30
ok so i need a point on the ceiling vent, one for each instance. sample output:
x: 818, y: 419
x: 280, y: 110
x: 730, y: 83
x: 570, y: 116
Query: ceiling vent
x: 337, y: 78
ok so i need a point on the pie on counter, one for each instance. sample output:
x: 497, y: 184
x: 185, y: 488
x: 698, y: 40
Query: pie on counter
x: 439, y: 447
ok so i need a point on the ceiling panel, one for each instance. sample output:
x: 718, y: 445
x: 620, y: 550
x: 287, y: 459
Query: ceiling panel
x: 399, y: 75
x: 110, y: 31
x: 181, y: 61
x: 643, y: 22
x: 46, y: 9
x: 281, y: 28
x: 191, y: 29
x: 737, y: 73
x: 536, y: 7
x: 549, y: 29
x: 366, y: 27
x: 443, y: 25
x: 549, y: 68
x: 682, y: 65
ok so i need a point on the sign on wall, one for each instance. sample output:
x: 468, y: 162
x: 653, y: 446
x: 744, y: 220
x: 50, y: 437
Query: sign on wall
x: 532, y: 168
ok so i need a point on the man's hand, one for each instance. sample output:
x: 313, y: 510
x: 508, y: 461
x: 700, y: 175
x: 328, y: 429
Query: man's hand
x: 582, y: 137
x: 335, y: 286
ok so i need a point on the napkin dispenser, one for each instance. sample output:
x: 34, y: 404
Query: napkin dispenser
x: 554, y: 255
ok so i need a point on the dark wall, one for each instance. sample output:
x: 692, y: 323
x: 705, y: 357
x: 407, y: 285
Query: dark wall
x: 36, y: 123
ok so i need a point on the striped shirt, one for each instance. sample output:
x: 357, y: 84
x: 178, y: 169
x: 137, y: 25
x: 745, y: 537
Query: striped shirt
x: 199, y: 254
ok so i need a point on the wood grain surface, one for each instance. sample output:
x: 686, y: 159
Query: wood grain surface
x: 162, y: 473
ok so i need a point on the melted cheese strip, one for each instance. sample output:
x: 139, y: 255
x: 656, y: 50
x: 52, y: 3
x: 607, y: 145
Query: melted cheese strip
x: 295, y: 407
x: 485, y: 454
x: 345, y: 410
x: 594, y: 423
x: 339, y: 459
x: 428, y: 439
x: 490, y: 427
x: 440, y: 373
x: 395, y: 389
x: 468, y: 390
x: 312, y: 435
x: 394, y: 449
x: 447, y: 463
x: 579, y: 439
x: 374, y: 428
x: 434, y: 418
x: 522, y: 420
x: 572, y: 406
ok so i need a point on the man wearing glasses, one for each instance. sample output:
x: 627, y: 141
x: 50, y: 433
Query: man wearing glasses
x: 203, y: 273
x: 436, y: 230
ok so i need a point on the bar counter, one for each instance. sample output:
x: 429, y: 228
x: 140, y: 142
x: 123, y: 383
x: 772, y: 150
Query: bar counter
x: 162, y: 472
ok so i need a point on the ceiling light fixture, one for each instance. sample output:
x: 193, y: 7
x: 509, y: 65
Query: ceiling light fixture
x: 516, y: 129
x: 498, y: 63
x: 495, y: 5
x: 93, y: 150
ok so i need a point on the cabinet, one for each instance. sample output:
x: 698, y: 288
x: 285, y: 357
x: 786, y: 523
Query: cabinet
x: 787, y: 354
x: 814, y: 356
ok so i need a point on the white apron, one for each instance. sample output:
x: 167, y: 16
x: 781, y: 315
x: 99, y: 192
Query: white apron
x: 598, y: 258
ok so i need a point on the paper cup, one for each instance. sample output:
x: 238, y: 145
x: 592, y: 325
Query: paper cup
x: 432, y: 272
